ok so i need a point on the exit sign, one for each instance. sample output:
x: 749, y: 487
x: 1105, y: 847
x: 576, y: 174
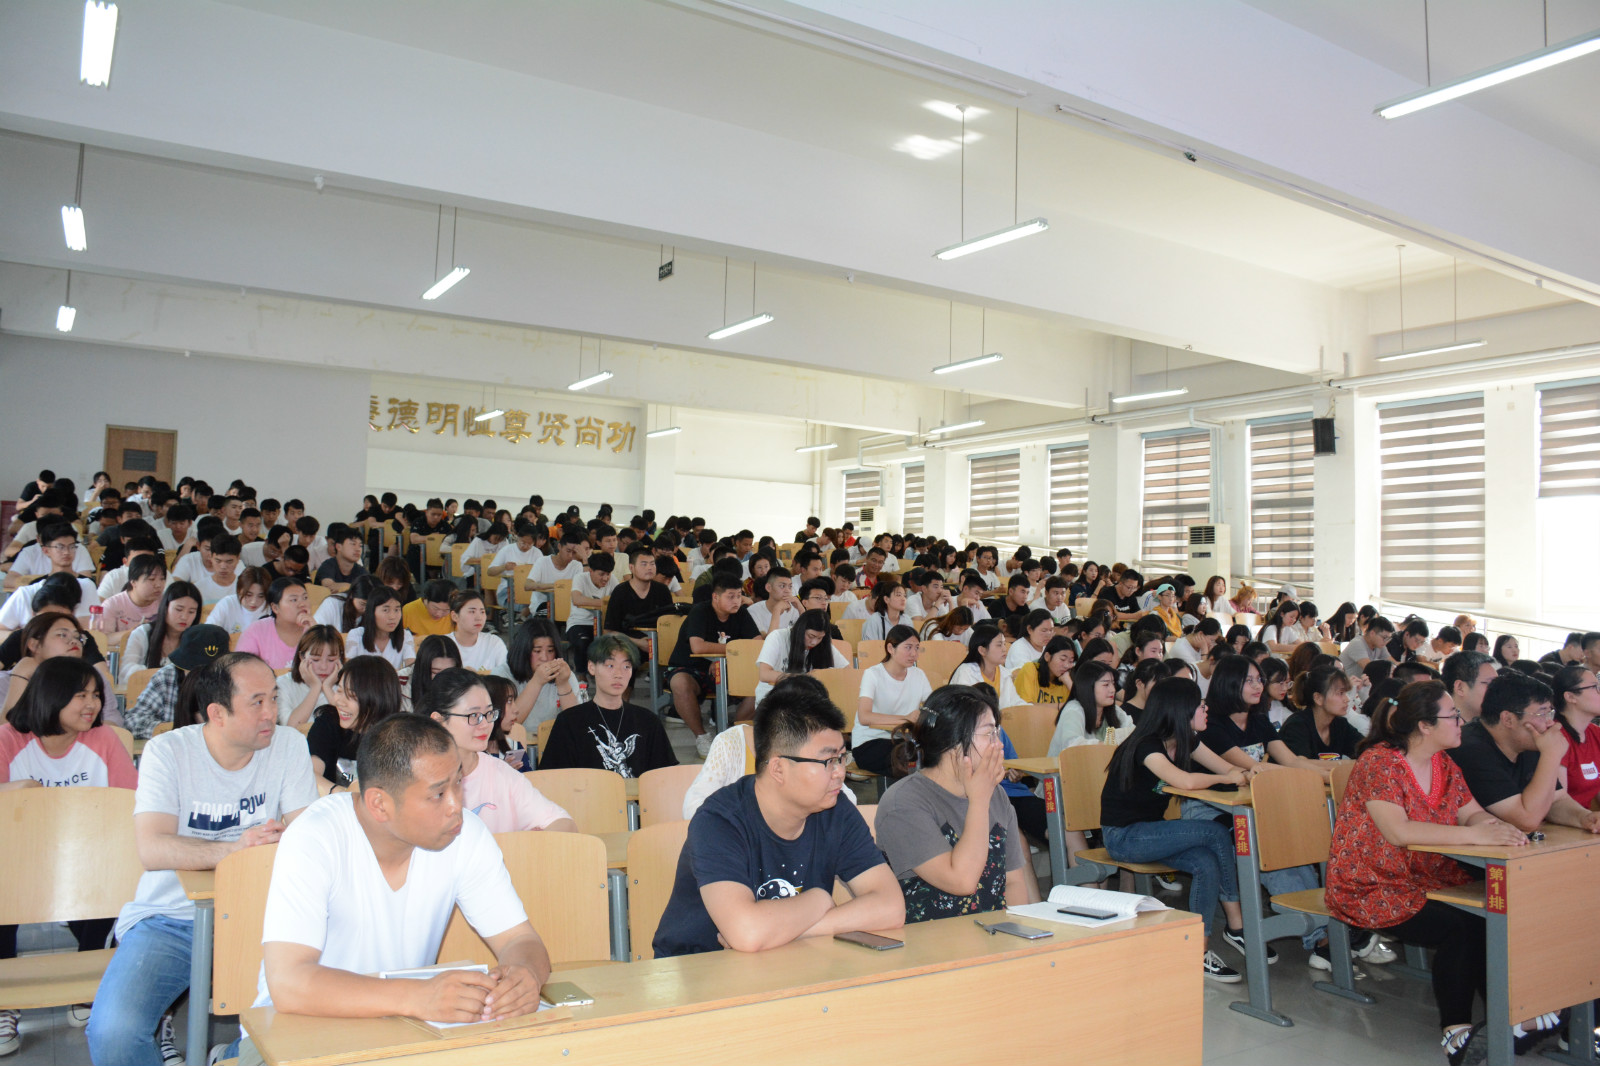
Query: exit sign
x: 664, y: 271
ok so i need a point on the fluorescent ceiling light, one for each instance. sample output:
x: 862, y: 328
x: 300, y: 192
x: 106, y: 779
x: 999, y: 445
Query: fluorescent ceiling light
x: 954, y: 426
x: 978, y: 244
x: 604, y: 375
x: 444, y: 284
x: 1437, y: 350
x: 486, y: 415
x: 739, y: 327
x: 665, y: 431
x: 99, y: 38
x: 819, y: 447
x: 1161, y: 395
x: 65, y: 316
x: 1543, y: 59
x: 967, y: 364
x: 72, y: 227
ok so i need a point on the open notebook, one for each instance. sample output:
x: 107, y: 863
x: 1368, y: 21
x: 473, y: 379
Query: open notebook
x: 1123, y: 905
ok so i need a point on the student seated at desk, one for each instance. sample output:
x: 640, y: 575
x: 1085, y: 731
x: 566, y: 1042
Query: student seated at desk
x: 204, y: 792
x: 366, y: 883
x: 987, y: 648
x: 380, y: 633
x: 1404, y: 791
x: 891, y: 695
x: 1318, y: 729
x: 365, y: 691
x: 608, y: 733
x: 949, y: 832
x: 1577, y: 701
x: 758, y: 868
x: 1511, y: 757
x: 544, y: 683
x: 1091, y: 716
x: 480, y: 651
x: 1049, y: 679
x: 803, y: 647
x: 1161, y: 751
x: 429, y: 614
x: 706, y: 631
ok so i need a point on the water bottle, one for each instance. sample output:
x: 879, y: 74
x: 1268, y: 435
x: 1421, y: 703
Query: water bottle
x: 97, y: 618
x: 583, y: 692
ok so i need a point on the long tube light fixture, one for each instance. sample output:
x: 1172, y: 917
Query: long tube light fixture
x: 978, y: 244
x: 99, y: 40
x: 1438, y: 349
x: 593, y: 379
x: 1159, y: 395
x: 819, y: 447
x: 1489, y: 77
x: 446, y: 283
x: 486, y: 415
x: 739, y: 327
x: 72, y: 227
x: 664, y: 431
x: 66, y: 314
x: 955, y: 426
x: 967, y: 364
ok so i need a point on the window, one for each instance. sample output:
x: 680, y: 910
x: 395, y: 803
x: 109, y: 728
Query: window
x: 994, y: 484
x: 1282, y: 530
x: 1569, y: 439
x: 1069, y: 498
x: 1431, y: 457
x: 911, y: 524
x: 862, y: 488
x: 1177, y: 494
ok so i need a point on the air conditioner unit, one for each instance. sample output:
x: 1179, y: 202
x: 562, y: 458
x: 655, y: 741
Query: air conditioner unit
x: 1210, y: 552
x: 866, y: 525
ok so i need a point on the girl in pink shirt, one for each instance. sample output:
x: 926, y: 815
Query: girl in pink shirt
x: 138, y: 603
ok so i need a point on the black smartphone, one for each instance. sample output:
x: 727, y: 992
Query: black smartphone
x: 870, y: 940
x: 1087, y: 912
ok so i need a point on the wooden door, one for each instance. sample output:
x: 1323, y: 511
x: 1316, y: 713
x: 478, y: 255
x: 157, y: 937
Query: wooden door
x: 135, y: 453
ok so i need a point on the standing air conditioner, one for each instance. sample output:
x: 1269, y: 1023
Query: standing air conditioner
x: 1210, y: 552
x: 866, y: 527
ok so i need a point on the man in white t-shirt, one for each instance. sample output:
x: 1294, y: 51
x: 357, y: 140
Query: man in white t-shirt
x: 219, y: 577
x: 205, y: 791
x: 174, y: 527
x: 780, y: 590
x: 367, y: 883
x: 565, y: 565
x: 519, y: 550
x: 55, y: 551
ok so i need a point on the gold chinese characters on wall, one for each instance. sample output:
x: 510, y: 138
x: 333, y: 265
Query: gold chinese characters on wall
x: 549, y: 427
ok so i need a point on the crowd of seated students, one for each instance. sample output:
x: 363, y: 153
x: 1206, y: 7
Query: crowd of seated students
x: 1155, y: 669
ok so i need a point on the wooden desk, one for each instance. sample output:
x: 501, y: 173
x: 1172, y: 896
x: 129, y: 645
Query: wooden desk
x: 1049, y: 772
x: 201, y: 888
x: 817, y: 1000
x: 1538, y: 962
x: 617, y: 893
x: 719, y: 674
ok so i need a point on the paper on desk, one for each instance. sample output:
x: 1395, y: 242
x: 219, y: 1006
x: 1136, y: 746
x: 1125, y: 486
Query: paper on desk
x: 1124, y: 904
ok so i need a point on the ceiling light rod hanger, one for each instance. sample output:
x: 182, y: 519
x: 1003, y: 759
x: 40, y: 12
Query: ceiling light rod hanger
x: 598, y: 376
x: 447, y: 282
x: 1012, y: 232
x: 984, y: 358
x: 1455, y: 345
x: 72, y: 224
x: 728, y: 329
x: 1543, y: 59
x: 1159, y: 394
x: 667, y: 430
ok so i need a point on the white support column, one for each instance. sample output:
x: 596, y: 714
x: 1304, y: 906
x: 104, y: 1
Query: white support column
x: 1033, y: 519
x: 1230, y: 500
x: 1345, y: 504
x: 658, y: 487
x: 1115, y: 480
x: 1511, y: 489
x: 892, y: 513
x: 948, y: 478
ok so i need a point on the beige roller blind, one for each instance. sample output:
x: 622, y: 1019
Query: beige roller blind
x: 1432, y: 497
x: 1282, y: 523
x: 862, y: 488
x: 994, y: 484
x: 1069, y: 497
x: 912, y: 523
x: 1177, y: 495
x: 1569, y: 439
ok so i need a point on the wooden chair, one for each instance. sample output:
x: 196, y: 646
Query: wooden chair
x: 1341, y: 779
x: 939, y: 659
x: 596, y: 799
x: 75, y: 858
x: 205, y: 613
x: 742, y: 671
x: 1030, y: 728
x: 869, y: 812
x: 1292, y: 830
x: 561, y: 601
x: 668, y: 626
x: 542, y: 736
x: 519, y: 734
x: 102, y: 639
x: 1083, y: 776
x: 844, y: 689
x: 843, y: 648
x: 457, y: 569
x: 1329, y: 647
x: 172, y: 558
x: 870, y: 652
x: 137, y: 682
x: 124, y: 736
x: 432, y: 553
x: 653, y: 852
x: 561, y: 880
x: 315, y: 595
x: 241, y: 904
x: 1084, y: 607
x: 521, y: 594
x: 661, y: 793
x: 850, y: 629
x: 836, y: 611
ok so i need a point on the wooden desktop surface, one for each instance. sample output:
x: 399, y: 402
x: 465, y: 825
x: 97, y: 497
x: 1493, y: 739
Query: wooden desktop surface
x: 948, y: 996
x: 1037, y: 765
x: 616, y: 848
x: 1556, y: 838
x: 198, y: 884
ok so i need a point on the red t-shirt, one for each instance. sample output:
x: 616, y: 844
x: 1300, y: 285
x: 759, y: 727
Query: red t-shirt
x: 1372, y: 884
x: 1583, y: 766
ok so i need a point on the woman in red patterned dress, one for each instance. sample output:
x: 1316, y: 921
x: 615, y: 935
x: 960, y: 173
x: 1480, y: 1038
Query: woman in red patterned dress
x: 1404, y: 791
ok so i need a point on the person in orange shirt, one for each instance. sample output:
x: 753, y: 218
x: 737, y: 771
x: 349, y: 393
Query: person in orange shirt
x: 429, y: 614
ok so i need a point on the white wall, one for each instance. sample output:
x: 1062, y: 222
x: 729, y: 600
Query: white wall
x: 285, y: 430
x: 739, y: 472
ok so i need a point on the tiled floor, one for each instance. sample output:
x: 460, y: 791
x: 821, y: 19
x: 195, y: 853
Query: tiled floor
x: 1400, y: 1028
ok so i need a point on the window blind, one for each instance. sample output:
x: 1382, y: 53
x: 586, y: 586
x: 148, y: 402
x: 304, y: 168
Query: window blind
x: 1569, y: 440
x: 1431, y: 459
x: 1069, y: 497
x: 994, y: 484
x: 911, y: 524
x: 862, y: 488
x: 1282, y: 526
x: 1177, y: 494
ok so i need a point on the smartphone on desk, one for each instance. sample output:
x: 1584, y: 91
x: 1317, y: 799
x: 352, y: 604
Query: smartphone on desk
x: 1026, y: 932
x: 1087, y: 912
x: 870, y: 940
x: 565, y: 994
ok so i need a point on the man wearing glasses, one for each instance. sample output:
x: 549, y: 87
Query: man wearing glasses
x: 1510, y: 757
x: 758, y: 868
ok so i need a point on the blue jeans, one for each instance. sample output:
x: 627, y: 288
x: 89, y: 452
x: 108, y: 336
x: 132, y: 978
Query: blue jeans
x: 147, y: 974
x: 1277, y: 882
x: 1202, y: 849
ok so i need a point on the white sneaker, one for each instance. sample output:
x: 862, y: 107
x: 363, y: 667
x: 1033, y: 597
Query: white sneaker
x: 170, y: 1055
x: 1168, y: 884
x: 10, y: 1042
x: 1376, y: 952
x: 702, y: 745
x: 78, y: 1015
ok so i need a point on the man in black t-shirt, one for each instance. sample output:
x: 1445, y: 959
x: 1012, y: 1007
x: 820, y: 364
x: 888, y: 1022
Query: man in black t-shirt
x: 638, y: 601
x: 706, y: 631
x: 758, y: 867
x: 1510, y: 757
x: 343, y: 565
x: 1009, y: 610
x: 427, y: 523
x: 1126, y: 596
x: 608, y: 733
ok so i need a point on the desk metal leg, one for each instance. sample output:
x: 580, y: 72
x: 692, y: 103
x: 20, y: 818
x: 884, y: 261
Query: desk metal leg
x: 633, y: 815
x: 1498, y: 1029
x: 721, y: 668
x: 1055, y: 828
x: 1255, y: 944
x: 617, y: 894
x: 1580, y: 1038
x: 1344, y: 971
x: 650, y: 672
x: 200, y: 984
x: 1416, y: 965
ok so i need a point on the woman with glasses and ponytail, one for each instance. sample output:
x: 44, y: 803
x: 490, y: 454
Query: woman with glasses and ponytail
x: 947, y: 828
